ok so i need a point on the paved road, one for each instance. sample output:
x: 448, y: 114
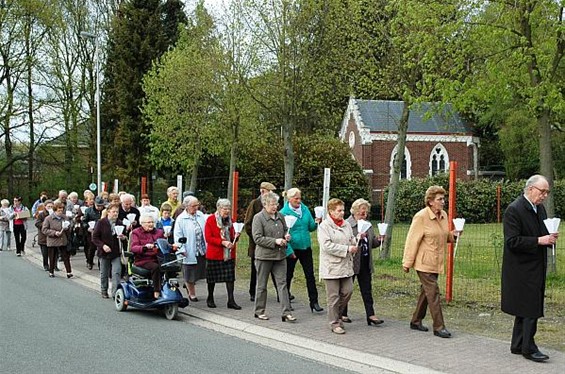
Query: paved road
x: 57, y: 326
x: 390, y: 347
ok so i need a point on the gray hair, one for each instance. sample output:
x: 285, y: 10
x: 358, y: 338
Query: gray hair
x: 189, y: 200
x: 63, y: 192
x: 171, y: 189
x: 269, y: 197
x: 127, y: 196
x: 144, y: 216
x: 72, y: 195
x: 357, y: 204
x: 223, y: 203
x: 533, y: 180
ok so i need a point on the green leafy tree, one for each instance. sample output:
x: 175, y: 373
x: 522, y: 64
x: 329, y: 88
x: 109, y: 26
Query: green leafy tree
x: 137, y: 38
x: 180, y: 103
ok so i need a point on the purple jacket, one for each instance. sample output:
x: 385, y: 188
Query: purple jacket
x: 139, y: 238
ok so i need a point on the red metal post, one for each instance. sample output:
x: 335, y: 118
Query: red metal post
x: 451, y: 214
x: 143, y: 185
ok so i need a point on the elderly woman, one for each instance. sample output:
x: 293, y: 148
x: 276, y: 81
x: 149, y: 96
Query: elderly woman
x: 172, y: 198
x: 107, y: 242
x: 424, y: 251
x: 41, y: 237
x: 271, y: 238
x: 55, y: 228
x: 337, y: 247
x: 143, y: 241
x: 190, y: 225
x: 5, y: 217
x: 220, y: 254
x: 20, y: 215
x: 363, y: 259
x: 301, y: 244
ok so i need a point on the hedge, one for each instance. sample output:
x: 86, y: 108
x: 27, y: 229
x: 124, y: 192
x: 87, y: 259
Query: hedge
x: 476, y: 200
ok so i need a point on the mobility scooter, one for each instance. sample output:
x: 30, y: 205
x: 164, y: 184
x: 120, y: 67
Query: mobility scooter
x: 138, y: 290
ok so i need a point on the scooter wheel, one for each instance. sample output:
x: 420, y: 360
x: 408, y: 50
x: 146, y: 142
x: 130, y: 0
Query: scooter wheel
x: 172, y: 311
x: 119, y: 300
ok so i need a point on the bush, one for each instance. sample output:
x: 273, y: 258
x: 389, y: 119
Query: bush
x: 476, y: 200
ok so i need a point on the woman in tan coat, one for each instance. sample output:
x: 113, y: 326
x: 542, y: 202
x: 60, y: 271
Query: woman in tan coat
x: 337, y: 246
x: 424, y: 251
x: 55, y: 229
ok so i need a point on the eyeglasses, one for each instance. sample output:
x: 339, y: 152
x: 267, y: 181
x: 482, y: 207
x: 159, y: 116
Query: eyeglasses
x: 544, y: 192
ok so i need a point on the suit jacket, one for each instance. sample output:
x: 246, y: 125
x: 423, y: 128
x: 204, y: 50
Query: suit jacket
x: 255, y: 207
x: 524, y: 262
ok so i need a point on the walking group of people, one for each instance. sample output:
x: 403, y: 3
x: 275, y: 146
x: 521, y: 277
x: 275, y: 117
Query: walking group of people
x: 275, y: 248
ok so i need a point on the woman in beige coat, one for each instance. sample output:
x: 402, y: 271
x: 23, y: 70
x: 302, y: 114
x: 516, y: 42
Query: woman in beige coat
x: 337, y: 246
x: 424, y: 251
x: 55, y: 229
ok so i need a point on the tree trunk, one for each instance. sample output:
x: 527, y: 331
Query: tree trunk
x: 233, y: 158
x: 287, y: 130
x: 395, y: 178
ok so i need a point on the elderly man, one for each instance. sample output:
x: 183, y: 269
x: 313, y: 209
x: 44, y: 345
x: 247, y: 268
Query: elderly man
x: 524, y: 265
x: 92, y: 214
x: 127, y: 207
x: 63, y: 198
x: 172, y: 198
x: 254, y: 207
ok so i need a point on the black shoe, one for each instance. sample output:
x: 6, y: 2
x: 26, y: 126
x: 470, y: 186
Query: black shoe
x: 46, y: 268
x: 51, y: 275
x: 233, y: 305
x: 316, y: 307
x: 516, y: 351
x: 418, y: 326
x: 290, y: 297
x: 210, y: 303
x: 89, y: 266
x: 443, y: 333
x: 70, y: 275
x: 105, y: 295
x: 193, y: 299
x: 252, y: 298
x: 346, y: 319
x: 375, y: 321
x: 536, y: 356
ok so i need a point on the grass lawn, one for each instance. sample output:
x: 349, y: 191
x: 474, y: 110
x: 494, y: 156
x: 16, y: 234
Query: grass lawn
x: 475, y: 307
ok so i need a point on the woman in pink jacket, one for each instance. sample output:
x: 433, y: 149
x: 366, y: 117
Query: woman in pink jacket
x: 143, y: 246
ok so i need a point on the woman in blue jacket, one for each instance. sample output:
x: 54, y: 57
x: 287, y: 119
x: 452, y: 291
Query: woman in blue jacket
x: 301, y: 244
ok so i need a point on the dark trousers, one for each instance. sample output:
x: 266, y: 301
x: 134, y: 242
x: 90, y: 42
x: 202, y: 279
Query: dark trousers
x: 62, y: 251
x: 44, y: 255
x: 305, y: 258
x: 429, y: 297
x: 89, y: 249
x: 523, y: 333
x: 155, y: 269
x: 20, y: 237
x: 366, y: 288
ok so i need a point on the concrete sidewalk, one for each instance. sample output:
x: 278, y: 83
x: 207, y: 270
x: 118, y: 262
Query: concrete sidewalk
x: 390, y: 347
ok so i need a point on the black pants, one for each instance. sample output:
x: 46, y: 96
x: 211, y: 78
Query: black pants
x: 523, y: 333
x: 155, y: 269
x: 44, y: 255
x: 20, y: 235
x: 364, y: 278
x: 89, y: 249
x: 305, y: 258
x: 65, y: 256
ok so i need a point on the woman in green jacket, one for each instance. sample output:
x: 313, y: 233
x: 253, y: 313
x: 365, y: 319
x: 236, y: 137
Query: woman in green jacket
x: 301, y: 244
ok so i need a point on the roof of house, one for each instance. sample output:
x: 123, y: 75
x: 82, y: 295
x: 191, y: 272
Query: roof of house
x: 384, y: 116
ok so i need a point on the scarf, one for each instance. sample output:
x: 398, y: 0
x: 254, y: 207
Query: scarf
x: 297, y: 211
x: 338, y: 222
x: 224, y: 225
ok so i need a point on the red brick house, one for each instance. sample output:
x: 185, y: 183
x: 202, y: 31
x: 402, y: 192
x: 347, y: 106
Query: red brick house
x: 434, y: 139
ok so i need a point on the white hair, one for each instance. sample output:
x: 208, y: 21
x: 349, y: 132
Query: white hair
x: 127, y: 196
x: 533, y: 180
x: 144, y: 216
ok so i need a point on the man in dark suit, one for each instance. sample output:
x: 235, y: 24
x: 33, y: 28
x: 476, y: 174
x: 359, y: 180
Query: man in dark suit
x: 254, y: 207
x: 524, y: 265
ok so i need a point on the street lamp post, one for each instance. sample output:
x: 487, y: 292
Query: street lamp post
x: 94, y: 37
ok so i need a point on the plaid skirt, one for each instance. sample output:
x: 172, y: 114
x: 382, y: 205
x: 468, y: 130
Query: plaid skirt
x: 192, y: 273
x: 219, y: 271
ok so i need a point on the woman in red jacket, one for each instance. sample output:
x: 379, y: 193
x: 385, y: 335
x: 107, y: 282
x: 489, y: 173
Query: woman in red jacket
x: 143, y: 246
x: 220, y: 253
